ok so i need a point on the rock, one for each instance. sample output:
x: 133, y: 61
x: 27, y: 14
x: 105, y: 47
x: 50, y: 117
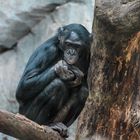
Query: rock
x: 18, y: 17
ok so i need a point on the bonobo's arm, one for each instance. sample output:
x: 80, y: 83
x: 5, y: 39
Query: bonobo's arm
x: 38, y: 72
x: 79, y: 75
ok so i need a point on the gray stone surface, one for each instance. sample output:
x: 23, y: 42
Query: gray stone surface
x: 18, y: 17
x: 29, y: 24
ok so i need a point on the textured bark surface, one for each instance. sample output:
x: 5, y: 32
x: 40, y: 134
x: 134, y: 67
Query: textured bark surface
x: 112, y: 111
x: 22, y: 128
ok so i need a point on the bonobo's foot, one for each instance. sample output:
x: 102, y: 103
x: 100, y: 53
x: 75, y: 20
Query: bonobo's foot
x: 60, y: 128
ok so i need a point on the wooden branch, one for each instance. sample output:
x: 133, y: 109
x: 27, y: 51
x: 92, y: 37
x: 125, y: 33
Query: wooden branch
x: 22, y: 128
x: 122, y: 15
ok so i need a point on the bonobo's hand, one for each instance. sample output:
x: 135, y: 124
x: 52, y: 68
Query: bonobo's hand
x: 61, y: 69
x: 78, y: 76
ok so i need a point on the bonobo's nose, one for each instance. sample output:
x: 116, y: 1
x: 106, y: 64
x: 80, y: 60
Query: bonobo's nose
x: 71, y: 51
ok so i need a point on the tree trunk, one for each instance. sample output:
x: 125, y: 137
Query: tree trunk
x: 112, y: 111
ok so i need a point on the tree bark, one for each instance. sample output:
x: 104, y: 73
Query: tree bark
x: 22, y: 128
x: 112, y: 111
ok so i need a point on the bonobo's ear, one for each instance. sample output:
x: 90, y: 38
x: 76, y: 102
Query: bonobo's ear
x: 60, y: 31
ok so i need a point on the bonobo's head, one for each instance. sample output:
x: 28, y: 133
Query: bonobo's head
x: 74, y: 40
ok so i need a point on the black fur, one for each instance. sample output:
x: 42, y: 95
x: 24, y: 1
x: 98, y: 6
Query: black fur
x: 43, y: 96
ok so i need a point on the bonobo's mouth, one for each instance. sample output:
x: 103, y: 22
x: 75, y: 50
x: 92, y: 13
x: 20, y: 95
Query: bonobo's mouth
x: 71, y: 61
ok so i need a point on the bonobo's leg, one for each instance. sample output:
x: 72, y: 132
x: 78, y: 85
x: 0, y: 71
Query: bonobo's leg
x: 48, y: 102
x: 70, y: 111
x: 76, y: 104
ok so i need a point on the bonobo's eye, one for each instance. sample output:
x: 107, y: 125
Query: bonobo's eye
x: 68, y: 44
x: 73, y: 45
x: 77, y: 46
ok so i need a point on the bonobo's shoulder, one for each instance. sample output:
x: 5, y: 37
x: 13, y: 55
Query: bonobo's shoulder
x: 46, y: 52
x: 50, y: 45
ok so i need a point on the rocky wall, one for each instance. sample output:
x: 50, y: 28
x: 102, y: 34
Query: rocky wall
x: 24, y: 25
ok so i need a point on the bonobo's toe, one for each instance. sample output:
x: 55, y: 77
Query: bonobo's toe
x: 60, y: 128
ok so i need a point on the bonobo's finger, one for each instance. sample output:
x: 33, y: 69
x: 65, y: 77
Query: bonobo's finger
x: 78, y: 72
x: 62, y: 63
x: 69, y: 74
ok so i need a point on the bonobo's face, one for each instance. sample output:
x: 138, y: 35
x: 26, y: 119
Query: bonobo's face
x: 72, y: 47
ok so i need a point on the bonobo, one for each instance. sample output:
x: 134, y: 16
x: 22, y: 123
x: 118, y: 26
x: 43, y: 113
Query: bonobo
x: 53, y: 88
